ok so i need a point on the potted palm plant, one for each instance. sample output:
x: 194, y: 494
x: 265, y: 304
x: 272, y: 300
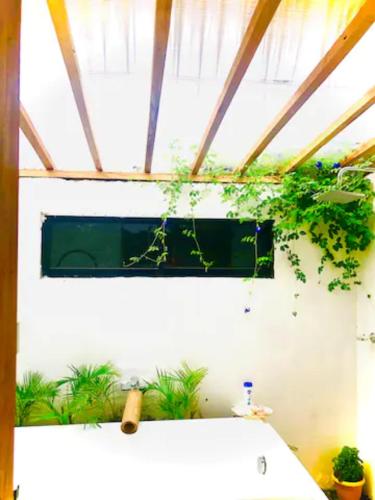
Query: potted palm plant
x: 348, y: 474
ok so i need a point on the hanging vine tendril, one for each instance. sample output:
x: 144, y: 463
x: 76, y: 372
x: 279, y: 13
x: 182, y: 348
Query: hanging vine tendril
x: 342, y: 232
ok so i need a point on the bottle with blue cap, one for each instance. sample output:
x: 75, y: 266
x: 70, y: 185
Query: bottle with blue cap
x: 247, y: 392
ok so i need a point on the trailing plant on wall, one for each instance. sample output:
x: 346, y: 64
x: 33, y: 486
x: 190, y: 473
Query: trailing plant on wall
x: 173, y: 191
x: 341, y: 232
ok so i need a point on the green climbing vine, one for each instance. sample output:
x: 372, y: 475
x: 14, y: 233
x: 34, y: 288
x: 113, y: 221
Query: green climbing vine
x: 341, y: 232
x: 181, y: 186
x: 156, y: 252
x: 173, y: 191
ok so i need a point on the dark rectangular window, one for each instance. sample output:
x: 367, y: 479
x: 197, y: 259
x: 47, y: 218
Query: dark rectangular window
x: 106, y: 246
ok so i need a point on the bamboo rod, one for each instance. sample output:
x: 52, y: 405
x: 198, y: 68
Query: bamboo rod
x: 132, y: 412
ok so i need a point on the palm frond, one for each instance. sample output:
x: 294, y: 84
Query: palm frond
x: 31, y: 395
x: 177, y: 392
x: 85, y: 396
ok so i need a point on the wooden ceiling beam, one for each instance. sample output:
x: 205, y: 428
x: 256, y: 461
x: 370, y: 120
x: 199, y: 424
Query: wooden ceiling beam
x: 339, y: 50
x: 340, y: 124
x: 258, y: 24
x: 161, y: 35
x: 364, y: 151
x: 27, y: 127
x: 137, y: 176
x: 59, y: 16
x: 10, y: 27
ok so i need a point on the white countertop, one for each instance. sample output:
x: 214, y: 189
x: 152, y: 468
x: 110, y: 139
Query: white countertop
x: 207, y: 459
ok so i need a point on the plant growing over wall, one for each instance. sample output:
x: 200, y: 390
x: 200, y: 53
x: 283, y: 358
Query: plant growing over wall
x: 176, y: 393
x: 179, y: 187
x: 183, y: 186
x: 173, y: 191
x: 340, y: 231
x: 348, y: 466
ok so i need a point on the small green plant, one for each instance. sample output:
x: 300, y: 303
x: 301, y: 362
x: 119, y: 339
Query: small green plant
x: 348, y: 466
x: 31, y: 395
x: 86, y: 396
x: 176, y: 393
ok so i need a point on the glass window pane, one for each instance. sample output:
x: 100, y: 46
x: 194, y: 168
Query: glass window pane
x: 112, y: 246
x: 77, y: 243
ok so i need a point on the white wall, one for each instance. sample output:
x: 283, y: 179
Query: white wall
x: 366, y: 365
x: 302, y: 366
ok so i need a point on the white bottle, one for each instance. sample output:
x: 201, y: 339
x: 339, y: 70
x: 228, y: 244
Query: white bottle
x: 247, y: 393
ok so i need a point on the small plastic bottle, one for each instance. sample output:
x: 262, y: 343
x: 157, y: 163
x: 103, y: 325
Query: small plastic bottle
x: 247, y: 393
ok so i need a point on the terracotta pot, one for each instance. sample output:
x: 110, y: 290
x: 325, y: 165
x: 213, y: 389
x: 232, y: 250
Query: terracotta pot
x: 348, y: 491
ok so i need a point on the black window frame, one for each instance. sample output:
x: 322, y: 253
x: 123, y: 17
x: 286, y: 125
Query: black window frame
x: 162, y: 271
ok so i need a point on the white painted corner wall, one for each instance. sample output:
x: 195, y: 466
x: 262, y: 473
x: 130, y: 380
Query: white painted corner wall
x: 366, y: 367
x: 302, y: 366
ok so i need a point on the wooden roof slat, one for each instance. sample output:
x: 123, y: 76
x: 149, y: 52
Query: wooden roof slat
x: 135, y: 176
x: 161, y: 35
x: 361, y: 153
x: 27, y: 127
x: 10, y: 27
x: 60, y: 21
x: 258, y: 24
x: 340, y: 124
x: 339, y: 50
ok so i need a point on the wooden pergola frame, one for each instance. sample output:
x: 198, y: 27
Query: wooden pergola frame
x: 10, y: 27
x: 340, y: 124
x: 14, y: 116
x: 254, y: 33
x: 59, y: 16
